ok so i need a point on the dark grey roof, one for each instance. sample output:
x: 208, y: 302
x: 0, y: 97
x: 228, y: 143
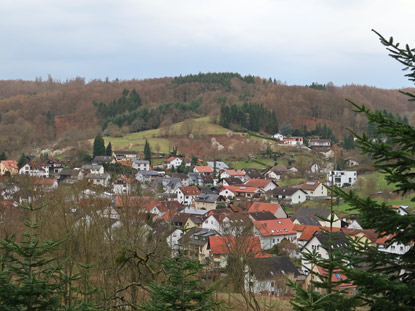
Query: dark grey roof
x: 270, y: 268
x: 307, y: 212
x: 101, y: 159
x: 232, y: 181
x: 197, y: 236
x: 141, y: 161
x: 253, y: 173
x: 260, y: 216
x: 219, y: 165
x: 149, y: 173
x: 309, y: 221
x: 283, y: 191
x: 208, y: 198
x: 339, y: 239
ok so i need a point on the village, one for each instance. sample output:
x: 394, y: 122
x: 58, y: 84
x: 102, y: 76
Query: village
x: 213, y: 211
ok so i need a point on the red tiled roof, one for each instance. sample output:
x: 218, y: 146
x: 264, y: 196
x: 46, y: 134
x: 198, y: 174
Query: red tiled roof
x: 384, y: 239
x: 44, y: 181
x: 204, y: 169
x: 10, y: 164
x: 336, y: 277
x: 220, y: 245
x: 235, y: 172
x: 309, y: 231
x: 241, y: 189
x: 171, y: 159
x: 191, y: 190
x: 263, y: 207
x: 260, y: 183
x: 276, y: 227
x: 368, y: 233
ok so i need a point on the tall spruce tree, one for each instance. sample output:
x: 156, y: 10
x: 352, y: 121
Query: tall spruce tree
x: 386, y: 280
x: 108, y: 150
x: 99, y: 146
x: 147, y: 151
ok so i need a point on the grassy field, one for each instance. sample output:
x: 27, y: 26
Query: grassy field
x: 157, y: 137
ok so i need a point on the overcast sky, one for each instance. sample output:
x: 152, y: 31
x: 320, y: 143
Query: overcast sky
x: 290, y: 40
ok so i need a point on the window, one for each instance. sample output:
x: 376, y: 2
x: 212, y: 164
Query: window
x: 272, y: 284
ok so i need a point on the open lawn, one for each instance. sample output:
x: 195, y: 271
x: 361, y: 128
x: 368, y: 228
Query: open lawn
x: 158, y: 138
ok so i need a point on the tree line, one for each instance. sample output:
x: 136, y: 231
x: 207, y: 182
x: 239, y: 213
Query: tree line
x: 213, y: 78
x: 249, y: 116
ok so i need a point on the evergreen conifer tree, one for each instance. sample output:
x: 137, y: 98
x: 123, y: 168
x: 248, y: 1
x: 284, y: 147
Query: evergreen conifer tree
x: 182, y: 289
x: 108, y: 150
x: 147, y: 151
x: 22, y: 161
x: 99, y: 146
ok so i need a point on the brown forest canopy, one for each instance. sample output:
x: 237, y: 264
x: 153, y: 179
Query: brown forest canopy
x: 36, y: 113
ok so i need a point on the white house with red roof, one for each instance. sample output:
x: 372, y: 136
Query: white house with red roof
x: 241, y: 192
x: 386, y: 244
x: 185, y: 195
x: 272, y: 232
x: 264, y: 184
x: 203, y: 170
x: 45, y: 184
x: 173, y: 162
x: 35, y: 170
x: 233, y: 173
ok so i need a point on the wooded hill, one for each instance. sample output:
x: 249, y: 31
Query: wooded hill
x: 37, y: 113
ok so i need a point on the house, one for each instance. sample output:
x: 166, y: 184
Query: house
x: 233, y: 173
x: 275, y: 209
x: 362, y: 235
x: 165, y: 209
x: 195, y: 241
x: 45, y: 184
x: 220, y: 247
x: 261, y: 216
x: 92, y: 169
x: 341, y: 178
x: 203, y: 170
x: 315, y: 168
x: 313, y: 188
x: 278, y: 136
x: 272, y: 232
x: 268, y: 276
x: 122, y: 185
x: 350, y: 162
x: 148, y: 176
x: 320, y: 243
x: 124, y: 155
x: 306, y: 232
x: 401, y: 209
x: 220, y: 166
x: 195, y: 179
x: 173, y: 162
x: 232, y: 181
x: 9, y: 166
x: 252, y: 173
x: 289, y: 194
x: 310, y: 216
x: 277, y: 172
x: 319, y: 274
x: 70, y: 176
x: 185, y: 195
x: 103, y: 159
x: 35, y: 170
x: 208, y: 201
x: 241, y: 192
x: 294, y: 141
x: 169, y: 185
x: 99, y: 179
x: 55, y: 166
x: 214, y: 221
x: 264, y: 184
x: 141, y: 165
x: 386, y: 243
x: 319, y: 143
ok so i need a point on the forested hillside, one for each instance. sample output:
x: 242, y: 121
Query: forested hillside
x: 35, y: 114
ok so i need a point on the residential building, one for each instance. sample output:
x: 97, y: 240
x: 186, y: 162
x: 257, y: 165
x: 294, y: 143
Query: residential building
x: 341, y: 178
x: 185, y: 195
x: 141, y: 165
x: 272, y: 232
x: 288, y: 194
